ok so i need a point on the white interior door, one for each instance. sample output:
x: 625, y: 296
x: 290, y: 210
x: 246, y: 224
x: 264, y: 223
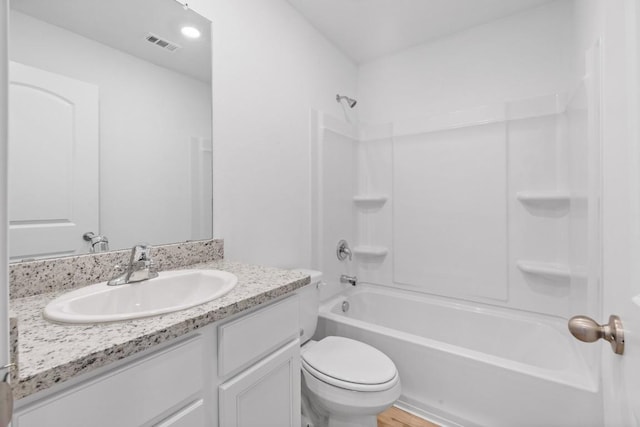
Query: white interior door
x: 54, y: 165
x: 621, y: 209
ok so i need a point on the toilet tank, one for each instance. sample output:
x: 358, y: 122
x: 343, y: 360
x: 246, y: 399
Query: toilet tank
x: 309, y: 304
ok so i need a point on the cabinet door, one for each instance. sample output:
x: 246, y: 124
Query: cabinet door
x: 267, y: 394
x: 131, y: 396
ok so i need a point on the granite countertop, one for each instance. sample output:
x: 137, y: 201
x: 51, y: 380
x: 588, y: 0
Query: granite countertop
x: 50, y: 353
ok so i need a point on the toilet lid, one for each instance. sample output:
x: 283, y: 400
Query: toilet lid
x: 349, y: 361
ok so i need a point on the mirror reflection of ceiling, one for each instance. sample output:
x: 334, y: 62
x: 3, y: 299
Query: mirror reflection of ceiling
x: 124, y: 25
x: 369, y: 29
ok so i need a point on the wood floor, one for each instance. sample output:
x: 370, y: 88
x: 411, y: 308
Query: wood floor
x: 394, y: 417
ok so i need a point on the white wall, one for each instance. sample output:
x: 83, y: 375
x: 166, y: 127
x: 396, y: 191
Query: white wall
x: 270, y: 68
x: 4, y: 218
x: 589, y: 16
x: 147, y: 116
x: 528, y: 54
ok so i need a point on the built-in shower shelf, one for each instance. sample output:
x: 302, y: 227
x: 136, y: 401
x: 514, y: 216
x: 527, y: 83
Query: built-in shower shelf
x: 370, y: 201
x: 548, y: 270
x: 548, y: 199
x: 371, y: 251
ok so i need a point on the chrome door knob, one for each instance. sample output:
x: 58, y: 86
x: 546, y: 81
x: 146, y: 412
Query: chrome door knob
x: 588, y: 330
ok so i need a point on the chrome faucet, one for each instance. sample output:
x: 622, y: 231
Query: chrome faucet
x: 141, y: 267
x: 99, y: 242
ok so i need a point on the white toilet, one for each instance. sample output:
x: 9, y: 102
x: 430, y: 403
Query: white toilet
x: 345, y: 383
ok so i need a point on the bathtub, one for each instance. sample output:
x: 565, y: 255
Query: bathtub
x: 470, y: 365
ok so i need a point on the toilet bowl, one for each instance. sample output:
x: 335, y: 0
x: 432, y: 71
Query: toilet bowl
x: 345, y: 383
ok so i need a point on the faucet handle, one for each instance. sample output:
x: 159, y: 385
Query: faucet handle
x: 343, y: 251
x: 141, y: 252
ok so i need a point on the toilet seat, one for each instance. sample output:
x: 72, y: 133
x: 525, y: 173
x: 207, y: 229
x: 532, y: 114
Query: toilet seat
x: 350, y: 365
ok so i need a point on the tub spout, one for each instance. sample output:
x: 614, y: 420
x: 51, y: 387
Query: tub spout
x: 352, y: 280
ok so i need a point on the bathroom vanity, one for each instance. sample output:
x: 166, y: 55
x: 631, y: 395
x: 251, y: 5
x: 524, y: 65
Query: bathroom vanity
x: 232, y: 361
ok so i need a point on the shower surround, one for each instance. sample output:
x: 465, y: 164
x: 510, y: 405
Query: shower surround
x: 471, y: 179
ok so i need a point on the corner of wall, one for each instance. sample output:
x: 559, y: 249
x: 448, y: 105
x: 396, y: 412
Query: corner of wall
x: 4, y: 136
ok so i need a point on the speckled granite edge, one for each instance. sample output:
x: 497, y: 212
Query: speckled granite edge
x: 53, y: 353
x: 13, y: 348
x: 37, y: 277
x: 30, y: 385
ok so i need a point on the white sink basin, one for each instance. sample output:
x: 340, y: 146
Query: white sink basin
x: 170, y: 291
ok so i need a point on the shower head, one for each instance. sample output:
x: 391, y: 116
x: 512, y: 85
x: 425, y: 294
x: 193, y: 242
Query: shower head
x: 350, y: 101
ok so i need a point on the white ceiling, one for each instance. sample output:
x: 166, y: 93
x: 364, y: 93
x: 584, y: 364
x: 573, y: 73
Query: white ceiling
x: 368, y: 29
x: 123, y: 25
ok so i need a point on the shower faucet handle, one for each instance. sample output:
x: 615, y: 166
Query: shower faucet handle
x: 343, y: 251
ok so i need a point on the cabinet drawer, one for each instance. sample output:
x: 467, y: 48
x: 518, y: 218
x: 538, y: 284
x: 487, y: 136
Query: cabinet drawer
x: 131, y: 396
x: 190, y: 416
x: 243, y: 341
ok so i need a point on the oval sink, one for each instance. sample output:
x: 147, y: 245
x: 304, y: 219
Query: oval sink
x: 170, y: 291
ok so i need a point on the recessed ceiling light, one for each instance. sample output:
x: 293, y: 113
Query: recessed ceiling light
x: 191, y: 32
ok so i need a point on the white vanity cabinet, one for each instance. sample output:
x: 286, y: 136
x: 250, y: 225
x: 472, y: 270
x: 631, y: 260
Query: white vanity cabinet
x: 164, y: 384
x: 241, y: 371
x: 261, y: 377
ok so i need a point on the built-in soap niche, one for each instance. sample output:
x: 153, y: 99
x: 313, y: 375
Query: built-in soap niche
x: 546, y: 277
x: 550, y: 204
x: 370, y: 203
x: 370, y: 253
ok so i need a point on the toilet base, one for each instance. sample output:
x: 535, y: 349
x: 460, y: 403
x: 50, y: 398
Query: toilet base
x: 311, y: 418
x: 357, y: 421
x: 323, y: 412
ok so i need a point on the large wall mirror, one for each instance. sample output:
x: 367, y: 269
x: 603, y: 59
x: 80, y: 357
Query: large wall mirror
x: 110, y: 125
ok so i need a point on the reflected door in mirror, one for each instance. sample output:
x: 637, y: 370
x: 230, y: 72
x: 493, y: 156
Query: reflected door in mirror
x: 53, y: 173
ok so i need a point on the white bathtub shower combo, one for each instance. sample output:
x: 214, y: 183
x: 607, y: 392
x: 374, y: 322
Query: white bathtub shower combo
x: 470, y: 364
x: 473, y: 219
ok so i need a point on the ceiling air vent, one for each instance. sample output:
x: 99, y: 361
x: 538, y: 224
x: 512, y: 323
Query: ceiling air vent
x: 163, y: 43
